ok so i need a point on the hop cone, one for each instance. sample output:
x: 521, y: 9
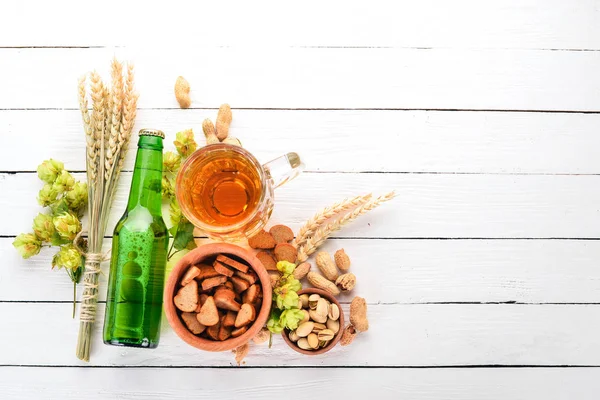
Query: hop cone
x: 49, y: 170
x: 43, y: 227
x: 67, y: 225
x: 27, y: 245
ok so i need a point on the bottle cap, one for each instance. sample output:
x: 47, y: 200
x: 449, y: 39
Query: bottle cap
x: 152, y: 132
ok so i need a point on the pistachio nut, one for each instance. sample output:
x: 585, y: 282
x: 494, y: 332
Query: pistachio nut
x: 326, y: 334
x: 300, y: 304
x: 293, y: 336
x: 313, y: 340
x: 322, y: 307
x: 306, y: 316
x: 312, y: 301
x: 303, y: 344
x: 334, y: 325
x: 305, y: 328
x: 319, y: 327
x: 304, y: 299
x: 315, y: 316
x: 334, y: 312
x: 323, y: 343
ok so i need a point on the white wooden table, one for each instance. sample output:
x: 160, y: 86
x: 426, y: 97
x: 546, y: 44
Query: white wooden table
x: 482, y: 277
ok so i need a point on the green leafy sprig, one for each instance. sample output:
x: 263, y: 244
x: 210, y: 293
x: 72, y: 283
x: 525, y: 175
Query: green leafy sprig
x: 181, y: 229
x: 65, y: 200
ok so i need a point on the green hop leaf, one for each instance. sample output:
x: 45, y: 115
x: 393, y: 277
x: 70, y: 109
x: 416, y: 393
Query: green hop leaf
x: 47, y: 195
x: 64, y: 182
x: 77, y: 197
x: 27, y: 245
x: 67, y: 257
x: 185, y: 235
x: 49, y: 170
x: 67, y: 225
x: 43, y: 227
x: 185, y: 143
x: 290, y: 318
x: 286, y: 267
x: 171, y: 161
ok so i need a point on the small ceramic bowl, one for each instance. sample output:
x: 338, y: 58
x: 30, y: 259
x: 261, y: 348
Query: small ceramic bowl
x: 335, y: 339
x: 196, y: 256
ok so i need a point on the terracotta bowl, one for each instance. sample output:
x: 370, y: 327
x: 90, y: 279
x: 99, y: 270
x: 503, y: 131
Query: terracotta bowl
x: 197, y: 256
x: 335, y: 339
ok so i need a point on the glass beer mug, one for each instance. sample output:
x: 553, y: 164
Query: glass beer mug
x: 224, y: 191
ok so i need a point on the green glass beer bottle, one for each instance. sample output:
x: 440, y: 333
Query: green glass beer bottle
x: 139, y: 254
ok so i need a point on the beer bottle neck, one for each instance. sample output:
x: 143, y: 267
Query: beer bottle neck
x: 146, y: 184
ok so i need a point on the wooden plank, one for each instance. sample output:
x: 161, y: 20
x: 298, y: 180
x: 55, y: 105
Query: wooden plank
x: 318, y: 77
x: 429, y: 23
x: 353, y: 383
x: 332, y: 140
x: 399, y: 335
x: 414, y: 271
x: 447, y: 206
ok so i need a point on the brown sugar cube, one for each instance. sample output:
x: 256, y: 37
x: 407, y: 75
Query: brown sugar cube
x: 239, y: 331
x: 281, y: 233
x: 251, y: 295
x: 225, y: 299
x: 286, y: 252
x: 246, y: 315
x: 267, y: 260
x: 213, y: 331
x: 228, y: 284
x: 206, y: 271
x: 210, y: 283
x: 232, y: 263
x: 187, y: 297
x: 262, y: 240
x: 239, y: 284
x: 192, y: 323
x: 208, y: 315
x: 229, y: 319
x: 223, y: 269
x: 189, y: 275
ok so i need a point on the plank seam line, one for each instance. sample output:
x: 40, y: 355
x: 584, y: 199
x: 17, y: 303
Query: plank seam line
x: 382, y: 173
x: 413, y: 238
x: 363, y: 47
x: 380, y: 303
x: 489, y: 110
x: 466, y: 366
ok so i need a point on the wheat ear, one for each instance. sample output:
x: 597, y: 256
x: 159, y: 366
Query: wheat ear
x: 130, y: 98
x: 115, y: 118
x: 129, y: 115
x: 309, y: 228
x: 91, y: 154
x: 322, y: 233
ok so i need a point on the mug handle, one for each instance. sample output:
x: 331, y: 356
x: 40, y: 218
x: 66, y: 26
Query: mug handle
x: 283, y: 169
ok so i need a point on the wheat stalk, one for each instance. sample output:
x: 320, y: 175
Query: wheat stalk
x: 322, y: 233
x: 324, y: 215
